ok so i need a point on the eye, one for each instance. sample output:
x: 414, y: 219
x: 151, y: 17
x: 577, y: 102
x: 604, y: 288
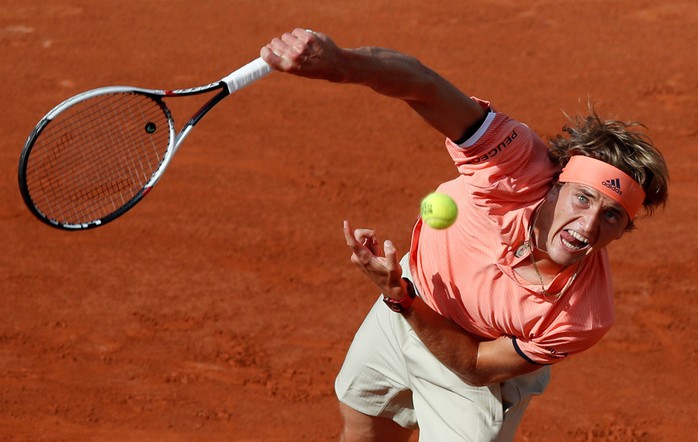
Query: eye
x: 582, y: 199
x: 612, y: 216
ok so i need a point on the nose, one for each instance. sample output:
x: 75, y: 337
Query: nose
x: 590, y: 220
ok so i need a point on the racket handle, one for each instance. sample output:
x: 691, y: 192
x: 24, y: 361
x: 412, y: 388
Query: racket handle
x: 246, y: 75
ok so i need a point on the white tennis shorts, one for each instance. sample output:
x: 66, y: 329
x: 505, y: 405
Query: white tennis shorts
x: 388, y: 372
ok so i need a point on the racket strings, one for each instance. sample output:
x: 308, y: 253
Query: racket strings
x: 97, y: 155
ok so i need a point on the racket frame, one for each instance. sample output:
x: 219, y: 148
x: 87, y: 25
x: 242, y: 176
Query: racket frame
x: 236, y: 80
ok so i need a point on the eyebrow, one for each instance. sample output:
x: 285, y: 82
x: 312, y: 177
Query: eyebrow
x: 596, y: 195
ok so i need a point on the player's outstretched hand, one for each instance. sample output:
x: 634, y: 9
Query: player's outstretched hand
x: 304, y: 53
x: 380, y: 265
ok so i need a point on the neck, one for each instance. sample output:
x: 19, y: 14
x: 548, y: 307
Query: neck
x: 539, y: 229
x: 546, y: 266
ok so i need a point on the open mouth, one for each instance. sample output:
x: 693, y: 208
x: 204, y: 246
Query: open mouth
x: 573, y: 240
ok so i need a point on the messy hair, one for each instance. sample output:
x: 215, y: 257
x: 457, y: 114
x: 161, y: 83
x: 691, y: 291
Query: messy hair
x: 620, y: 144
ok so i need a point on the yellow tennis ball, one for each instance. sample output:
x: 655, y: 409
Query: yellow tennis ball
x: 438, y: 210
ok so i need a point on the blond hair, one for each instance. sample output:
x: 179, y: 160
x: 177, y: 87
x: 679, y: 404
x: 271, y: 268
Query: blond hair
x: 620, y: 144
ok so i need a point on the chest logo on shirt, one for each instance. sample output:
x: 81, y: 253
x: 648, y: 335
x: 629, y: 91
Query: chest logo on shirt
x: 495, y: 150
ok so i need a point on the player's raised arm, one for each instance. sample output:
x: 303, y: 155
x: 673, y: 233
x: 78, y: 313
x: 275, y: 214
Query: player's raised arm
x: 314, y: 55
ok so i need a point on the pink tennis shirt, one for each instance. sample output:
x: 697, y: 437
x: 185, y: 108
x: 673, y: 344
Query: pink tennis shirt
x: 466, y: 272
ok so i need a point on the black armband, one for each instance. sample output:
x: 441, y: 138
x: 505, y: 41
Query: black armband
x: 469, y: 132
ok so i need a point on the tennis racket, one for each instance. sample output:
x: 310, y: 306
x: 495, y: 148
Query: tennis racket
x: 97, y: 154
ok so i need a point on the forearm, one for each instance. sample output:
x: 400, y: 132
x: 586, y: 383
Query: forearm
x: 477, y: 361
x: 387, y: 72
x: 445, y: 340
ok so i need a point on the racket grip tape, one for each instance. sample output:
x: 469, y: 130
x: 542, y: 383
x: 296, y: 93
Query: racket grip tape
x: 246, y: 75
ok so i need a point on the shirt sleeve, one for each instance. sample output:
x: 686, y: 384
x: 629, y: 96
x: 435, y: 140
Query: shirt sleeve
x: 557, y: 346
x: 504, y: 163
x: 493, y: 141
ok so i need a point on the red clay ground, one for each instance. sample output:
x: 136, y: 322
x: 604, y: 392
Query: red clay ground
x: 220, y: 308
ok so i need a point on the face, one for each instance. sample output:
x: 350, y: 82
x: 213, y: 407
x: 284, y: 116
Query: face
x: 577, y: 220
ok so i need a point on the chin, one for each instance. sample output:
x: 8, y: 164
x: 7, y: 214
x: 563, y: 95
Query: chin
x: 563, y: 262
x: 563, y: 257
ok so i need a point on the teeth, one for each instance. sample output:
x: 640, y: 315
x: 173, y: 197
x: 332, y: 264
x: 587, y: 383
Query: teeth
x: 583, y: 242
x: 572, y: 246
x: 578, y: 237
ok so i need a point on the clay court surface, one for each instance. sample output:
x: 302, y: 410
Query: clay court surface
x: 220, y: 308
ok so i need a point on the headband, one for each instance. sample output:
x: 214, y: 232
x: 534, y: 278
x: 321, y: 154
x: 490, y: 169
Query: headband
x: 607, y: 179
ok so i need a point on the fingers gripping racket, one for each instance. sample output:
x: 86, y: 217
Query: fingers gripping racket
x: 97, y: 154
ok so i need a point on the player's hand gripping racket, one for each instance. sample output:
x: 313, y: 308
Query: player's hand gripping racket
x: 97, y: 154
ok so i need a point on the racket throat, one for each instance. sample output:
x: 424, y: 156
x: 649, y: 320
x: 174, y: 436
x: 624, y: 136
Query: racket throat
x: 182, y: 135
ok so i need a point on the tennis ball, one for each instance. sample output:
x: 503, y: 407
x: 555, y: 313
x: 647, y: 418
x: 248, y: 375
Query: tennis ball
x: 438, y: 210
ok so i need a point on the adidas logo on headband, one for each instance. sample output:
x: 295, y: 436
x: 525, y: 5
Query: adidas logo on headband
x: 614, y: 185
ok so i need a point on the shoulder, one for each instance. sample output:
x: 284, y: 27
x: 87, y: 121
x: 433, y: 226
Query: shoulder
x: 505, y: 160
x: 502, y: 143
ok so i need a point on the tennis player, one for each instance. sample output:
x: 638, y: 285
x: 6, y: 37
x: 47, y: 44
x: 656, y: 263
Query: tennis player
x: 471, y: 319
